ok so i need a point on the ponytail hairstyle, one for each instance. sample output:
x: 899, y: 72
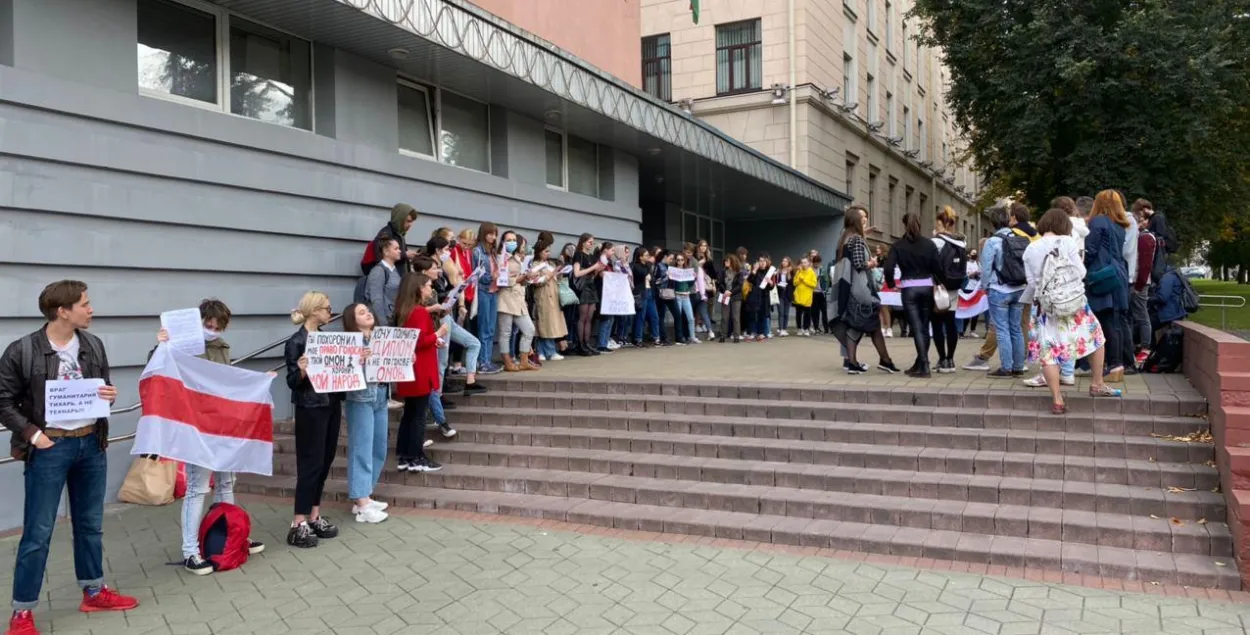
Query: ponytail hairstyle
x: 308, y: 304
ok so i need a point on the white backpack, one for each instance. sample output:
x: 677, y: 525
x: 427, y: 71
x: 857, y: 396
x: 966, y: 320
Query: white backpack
x: 1061, y: 292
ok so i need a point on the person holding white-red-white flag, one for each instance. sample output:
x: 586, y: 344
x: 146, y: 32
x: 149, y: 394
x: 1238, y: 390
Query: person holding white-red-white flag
x: 215, y: 418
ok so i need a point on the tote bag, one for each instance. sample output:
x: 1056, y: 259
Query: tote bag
x: 150, y: 481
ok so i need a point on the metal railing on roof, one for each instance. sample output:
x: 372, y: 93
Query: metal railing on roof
x: 135, y: 406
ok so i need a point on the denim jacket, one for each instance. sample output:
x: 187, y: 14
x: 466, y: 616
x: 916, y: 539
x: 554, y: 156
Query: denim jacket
x: 483, y: 260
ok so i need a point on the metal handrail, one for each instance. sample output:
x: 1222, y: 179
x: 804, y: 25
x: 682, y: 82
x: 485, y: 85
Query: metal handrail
x: 135, y: 406
x: 1223, y: 303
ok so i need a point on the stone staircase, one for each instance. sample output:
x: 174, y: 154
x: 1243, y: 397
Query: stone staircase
x: 986, y: 477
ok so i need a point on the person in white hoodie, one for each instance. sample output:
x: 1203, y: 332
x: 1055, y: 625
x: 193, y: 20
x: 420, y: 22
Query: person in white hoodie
x: 1067, y: 368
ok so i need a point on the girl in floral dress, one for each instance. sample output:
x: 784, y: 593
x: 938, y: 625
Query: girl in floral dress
x: 1055, y: 340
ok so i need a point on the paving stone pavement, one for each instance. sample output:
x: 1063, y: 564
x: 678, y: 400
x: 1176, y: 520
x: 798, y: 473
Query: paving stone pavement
x: 424, y: 572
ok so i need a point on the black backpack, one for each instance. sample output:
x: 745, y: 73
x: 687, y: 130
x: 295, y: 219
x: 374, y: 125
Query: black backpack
x: 953, y: 264
x: 1168, y: 352
x: 360, y: 295
x: 1189, y: 298
x: 1011, y: 273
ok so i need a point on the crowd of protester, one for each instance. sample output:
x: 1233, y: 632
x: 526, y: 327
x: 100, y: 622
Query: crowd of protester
x: 1085, y: 291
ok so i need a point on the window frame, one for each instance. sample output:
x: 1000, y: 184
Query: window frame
x: 757, y: 45
x: 439, y: 131
x: 663, y: 65
x: 564, y: 157
x: 598, y: 155
x: 433, y: 109
x: 221, y: 43
x: 850, y: 80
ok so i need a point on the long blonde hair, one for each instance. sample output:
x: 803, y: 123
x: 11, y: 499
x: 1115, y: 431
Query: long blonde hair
x: 1109, y: 203
x: 308, y: 305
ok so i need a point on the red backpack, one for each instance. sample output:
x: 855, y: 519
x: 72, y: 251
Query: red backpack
x: 224, y: 536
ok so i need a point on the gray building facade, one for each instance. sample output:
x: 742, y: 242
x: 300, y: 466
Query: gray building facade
x: 164, y: 151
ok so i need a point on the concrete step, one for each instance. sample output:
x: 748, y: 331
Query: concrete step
x: 1007, y: 417
x: 849, y: 535
x: 1108, y: 470
x: 1184, y: 403
x: 1051, y: 494
x: 1002, y: 440
x: 1103, y: 529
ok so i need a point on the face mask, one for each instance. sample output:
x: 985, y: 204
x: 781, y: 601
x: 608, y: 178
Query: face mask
x: 210, y: 335
x: 445, y: 256
x: 510, y: 246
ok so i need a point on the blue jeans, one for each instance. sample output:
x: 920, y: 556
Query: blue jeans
x: 198, y: 480
x: 366, y: 444
x: 700, y: 309
x: 1006, y: 312
x: 81, y: 465
x: 547, y: 348
x: 685, y: 309
x: 487, y: 317
x: 647, y: 315
x: 605, y: 330
x: 472, y: 348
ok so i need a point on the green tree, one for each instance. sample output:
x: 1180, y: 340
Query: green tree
x: 1072, y: 96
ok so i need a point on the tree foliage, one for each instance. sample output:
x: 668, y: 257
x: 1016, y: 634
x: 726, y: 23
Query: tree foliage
x: 1151, y: 97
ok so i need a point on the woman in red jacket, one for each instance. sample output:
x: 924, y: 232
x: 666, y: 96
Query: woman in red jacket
x: 412, y: 311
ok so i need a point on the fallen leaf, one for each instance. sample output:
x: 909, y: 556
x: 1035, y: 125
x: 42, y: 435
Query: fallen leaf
x: 1154, y: 517
x: 1176, y: 521
x: 1193, y: 437
x: 1220, y: 564
x: 1154, y: 583
x: 1210, y: 463
x: 1202, y: 521
x: 1216, y: 489
x: 1152, y: 459
x: 1180, y: 490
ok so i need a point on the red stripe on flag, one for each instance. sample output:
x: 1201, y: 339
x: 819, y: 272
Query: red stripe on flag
x: 169, y: 398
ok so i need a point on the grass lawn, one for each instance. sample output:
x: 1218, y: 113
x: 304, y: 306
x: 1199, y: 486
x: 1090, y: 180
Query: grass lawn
x: 1236, y: 319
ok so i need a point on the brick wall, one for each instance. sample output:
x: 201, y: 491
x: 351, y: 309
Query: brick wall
x: 1218, y: 366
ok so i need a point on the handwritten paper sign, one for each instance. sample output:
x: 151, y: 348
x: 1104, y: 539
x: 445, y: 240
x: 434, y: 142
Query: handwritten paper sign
x: 334, y: 361
x: 391, y: 355
x: 186, y: 330
x: 617, y: 299
x: 501, y: 280
x: 680, y: 275
x: 74, y: 400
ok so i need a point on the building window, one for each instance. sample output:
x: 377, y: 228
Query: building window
x: 889, y: 113
x: 657, y: 67
x: 889, y: 25
x: 920, y: 140
x: 739, y: 57
x: 851, y: 162
x: 583, y: 159
x: 872, y: 16
x: 893, y: 218
x: 416, y: 119
x: 183, y: 55
x: 906, y: 48
x: 871, y: 88
x: 907, y: 138
x: 555, y: 158
x: 464, y: 132
x: 872, y: 189
x: 848, y: 80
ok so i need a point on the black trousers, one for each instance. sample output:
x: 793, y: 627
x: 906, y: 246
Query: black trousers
x: 316, y: 441
x: 819, y: 313
x: 918, y: 307
x: 945, y: 335
x: 803, y: 317
x: 1113, y: 329
x: 411, y: 437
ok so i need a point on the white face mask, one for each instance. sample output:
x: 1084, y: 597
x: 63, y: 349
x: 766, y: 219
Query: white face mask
x: 210, y: 335
x: 445, y: 256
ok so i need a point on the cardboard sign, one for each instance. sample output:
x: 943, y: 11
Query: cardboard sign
x: 334, y: 361
x: 680, y: 275
x: 392, y: 352
x: 74, y: 400
x: 618, y: 298
x: 186, y: 330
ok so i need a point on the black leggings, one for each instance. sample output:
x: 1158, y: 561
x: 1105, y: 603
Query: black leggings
x: 803, y: 317
x: 945, y: 335
x: 819, y: 312
x: 1112, y: 330
x: 411, y: 438
x: 316, y: 442
x: 918, y: 306
x: 585, y: 324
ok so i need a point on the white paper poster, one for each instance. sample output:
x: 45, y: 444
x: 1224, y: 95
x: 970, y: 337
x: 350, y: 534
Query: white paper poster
x: 680, y: 275
x: 186, y: 330
x: 74, y: 399
x: 334, y: 361
x: 618, y: 298
x: 391, y: 354
x: 501, y: 280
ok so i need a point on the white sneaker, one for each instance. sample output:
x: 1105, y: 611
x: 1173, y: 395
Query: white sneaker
x: 555, y: 357
x: 542, y: 358
x: 428, y: 443
x: 695, y: 340
x: 769, y: 336
x: 1069, y: 380
x: 889, y: 332
x: 371, y: 515
x: 613, y: 345
x: 1036, y: 382
x: 782, y: 333
x: 372, y: 504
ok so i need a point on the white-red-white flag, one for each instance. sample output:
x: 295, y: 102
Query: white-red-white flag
x: 207, y: 414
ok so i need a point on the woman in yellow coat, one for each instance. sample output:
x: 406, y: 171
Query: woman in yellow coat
x: 804, y: 285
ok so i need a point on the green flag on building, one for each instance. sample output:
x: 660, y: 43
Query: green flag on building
x: 694, y: 10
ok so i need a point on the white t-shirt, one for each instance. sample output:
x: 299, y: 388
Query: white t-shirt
x: 68, y: 369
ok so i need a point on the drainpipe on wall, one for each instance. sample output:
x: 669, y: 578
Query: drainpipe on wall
x: 794, y: 112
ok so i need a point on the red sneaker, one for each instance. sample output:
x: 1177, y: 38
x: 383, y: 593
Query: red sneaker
x: 22, y: 623
x: 106, y: 600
